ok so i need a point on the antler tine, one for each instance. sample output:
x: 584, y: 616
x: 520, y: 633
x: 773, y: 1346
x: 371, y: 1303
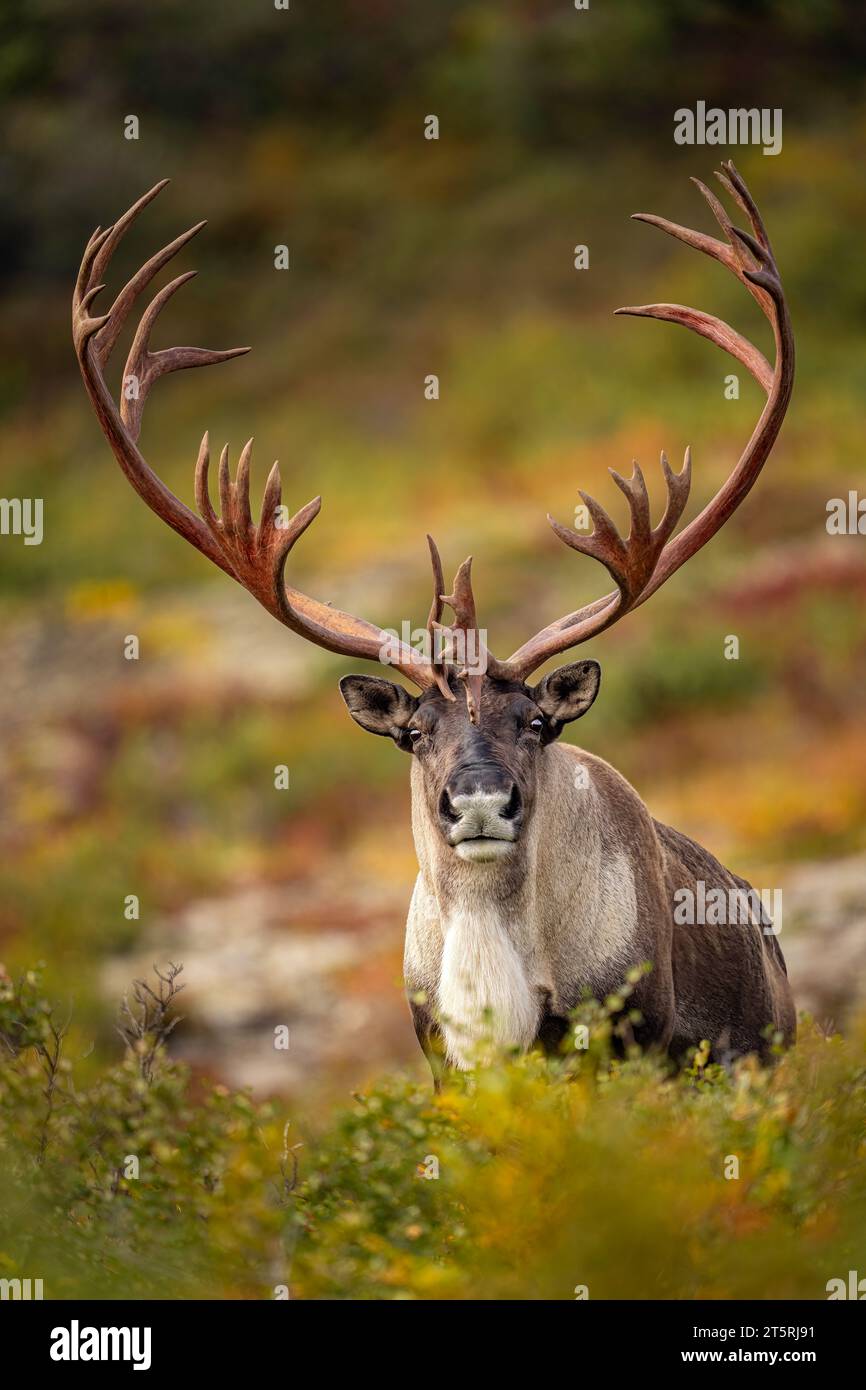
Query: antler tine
x: 272, y: 500
x: 112, y: 235
x: 699, y: 241
x: 603, y: 544
x: 461, y: 599
x: 202, y: 492
x: 144, y: 367
x: 641, y: 565
x: 241, y: 496
x: 462, y: 602
x: 678, y: 486
x: 634, y: 489
x: 716, y: 208
x: 712, y: 328
x: 434, y: 617
x: 475, y: 660
x: 434, y: 622
x: 225, y: 489
x: 731, y: 179
x: 630, y: 561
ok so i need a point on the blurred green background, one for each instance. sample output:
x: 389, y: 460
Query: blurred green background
x: 304, y: 127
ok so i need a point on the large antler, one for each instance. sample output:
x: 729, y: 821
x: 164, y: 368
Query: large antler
x: 254, y: 555
x: 641, y: 562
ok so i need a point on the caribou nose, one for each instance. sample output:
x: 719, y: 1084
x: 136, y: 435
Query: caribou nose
x: 482, y: 812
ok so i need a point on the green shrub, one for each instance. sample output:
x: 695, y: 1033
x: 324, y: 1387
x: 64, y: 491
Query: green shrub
x: 533, y: 1178
x: 203, y: 1216
x: 600, y: 1177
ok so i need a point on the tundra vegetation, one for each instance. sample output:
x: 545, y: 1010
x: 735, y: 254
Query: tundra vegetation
x: 155, y: 777
x: 532, y: 1178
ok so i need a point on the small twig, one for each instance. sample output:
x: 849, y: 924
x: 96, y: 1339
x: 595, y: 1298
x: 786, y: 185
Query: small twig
x: 289, y: 1182
x: 49, y: 1054
x: 145, y: 1025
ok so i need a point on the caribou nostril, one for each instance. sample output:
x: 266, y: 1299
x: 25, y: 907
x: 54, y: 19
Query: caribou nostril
x: 512, y: 807
x: 446, y: 810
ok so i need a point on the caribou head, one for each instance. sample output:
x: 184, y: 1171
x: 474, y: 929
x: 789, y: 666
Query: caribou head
x: 476, y: 772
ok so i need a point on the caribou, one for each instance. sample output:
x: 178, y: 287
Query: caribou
x: 543, y: 878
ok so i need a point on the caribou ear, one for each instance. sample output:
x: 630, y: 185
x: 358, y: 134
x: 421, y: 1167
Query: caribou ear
x: 566, y: 694
x: 380, y: 707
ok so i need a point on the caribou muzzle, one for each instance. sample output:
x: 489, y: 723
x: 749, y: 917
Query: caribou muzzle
x: 480, y: 812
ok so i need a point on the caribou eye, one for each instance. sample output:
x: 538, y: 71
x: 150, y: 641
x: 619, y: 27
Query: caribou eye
x: 537, y: 724
x: 414, y: 735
